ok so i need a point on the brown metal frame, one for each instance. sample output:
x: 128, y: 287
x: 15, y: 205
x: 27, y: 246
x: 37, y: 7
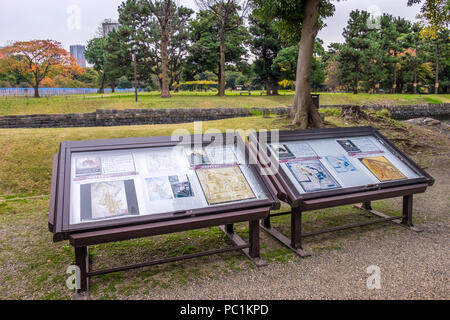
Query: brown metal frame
x: 300, y: 203
x: 87, y: 234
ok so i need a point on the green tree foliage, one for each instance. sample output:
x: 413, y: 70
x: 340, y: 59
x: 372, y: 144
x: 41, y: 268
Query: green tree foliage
x: 354, y: 54
x: 95, y: 55
x: 204, y: 51
x: 141, y: 30
x: 265, y: 45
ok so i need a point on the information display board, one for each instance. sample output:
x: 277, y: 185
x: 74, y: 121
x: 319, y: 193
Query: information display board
x: 114, y: 182
x: 339, y: 161
x: 324, y: 168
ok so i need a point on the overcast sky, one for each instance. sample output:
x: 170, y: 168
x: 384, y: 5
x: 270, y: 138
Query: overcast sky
x: 76, y: 21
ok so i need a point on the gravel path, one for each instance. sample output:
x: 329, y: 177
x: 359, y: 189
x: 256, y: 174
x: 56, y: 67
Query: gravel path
x: 413, y: 265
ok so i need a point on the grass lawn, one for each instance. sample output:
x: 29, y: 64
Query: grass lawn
x: 33, y: 267
x: 89, y: 103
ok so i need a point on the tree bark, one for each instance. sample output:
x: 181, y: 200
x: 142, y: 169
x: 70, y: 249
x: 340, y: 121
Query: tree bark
x: 275, y: 88
x: 102, y: 85
x: 267, y: 87
x: 222, y: 62
x: 436, y: 85
x: 36, y: 91
x: 305, y: 115
x: 394, y: 85
x: 165, y: 90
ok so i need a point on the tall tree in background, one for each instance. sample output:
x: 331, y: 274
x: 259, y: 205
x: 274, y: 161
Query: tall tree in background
x: 353, y: 55
x: 229, y: 15
x: 39, y: 58
x: 117, y: 60
x: 391, y: 37
x: 265, y: 45
x: 141, y: 30
x: 163, y: 11
x: 292, y: 16
x: 95, y: 55
x: 204, y: 51
x: 435, y: 19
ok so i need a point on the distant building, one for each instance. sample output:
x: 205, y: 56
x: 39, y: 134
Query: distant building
x: 77, y: 52
x: 108, y: 27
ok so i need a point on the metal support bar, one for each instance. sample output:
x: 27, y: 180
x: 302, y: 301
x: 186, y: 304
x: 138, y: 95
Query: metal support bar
x: 407, y: 208
x: 285, y: 241
x: 350, y: 226
x: 166, y: 260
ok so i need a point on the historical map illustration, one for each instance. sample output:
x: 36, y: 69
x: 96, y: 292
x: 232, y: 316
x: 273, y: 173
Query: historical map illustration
x: 108, y: 199
x: 382, y: 168
x: 88, y: 165
x: 312, y: 175
x: 224, y: 185
x: 340, y: 163
x: 282, y: 151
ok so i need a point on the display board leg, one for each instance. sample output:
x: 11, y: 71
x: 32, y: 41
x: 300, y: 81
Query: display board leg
x: 367, y: 205
x: 295, y: 242
x: 254, y: 239
x: 230, y: 228
x: 82, y: 262
x: 266, y: 222
x: 407, y: 210
x: 296, y: 228
x: 252, y: 252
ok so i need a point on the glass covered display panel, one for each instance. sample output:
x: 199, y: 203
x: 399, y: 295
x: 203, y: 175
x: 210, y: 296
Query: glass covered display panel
x: 335, y: 163
x: 140, y: 182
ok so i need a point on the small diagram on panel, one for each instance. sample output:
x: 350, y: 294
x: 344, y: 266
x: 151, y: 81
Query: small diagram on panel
x: 340, y: 164
x: 159, y: 188
x: 349, y: 146
x: 88, y: 165
x: 282, y: 151
x: 197, y: 157
x: 181, y: 186
x: 312, y: 175
x: 382, y: 168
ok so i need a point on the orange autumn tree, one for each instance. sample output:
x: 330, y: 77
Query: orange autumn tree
x: 37, y: 60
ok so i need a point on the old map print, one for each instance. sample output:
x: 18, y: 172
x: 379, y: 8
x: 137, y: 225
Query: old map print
x: 224, y: 185
x: 382, y: 168
x: 108, y: 199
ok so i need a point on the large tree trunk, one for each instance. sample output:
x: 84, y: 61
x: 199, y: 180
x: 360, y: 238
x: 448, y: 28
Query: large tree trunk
x: 306, y: 115
x: 275, y: 88
x: 415, y: 77
x: 102, y: 85
x: 165, y: 90
x: 222, y: 63
x: 267, y: 86
x: 436, y: 85
x: 394, y: 85
x: 36, y: 91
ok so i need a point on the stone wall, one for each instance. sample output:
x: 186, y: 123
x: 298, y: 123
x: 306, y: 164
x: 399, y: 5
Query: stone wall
x: 411, y: 111
x: 102, y: 118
